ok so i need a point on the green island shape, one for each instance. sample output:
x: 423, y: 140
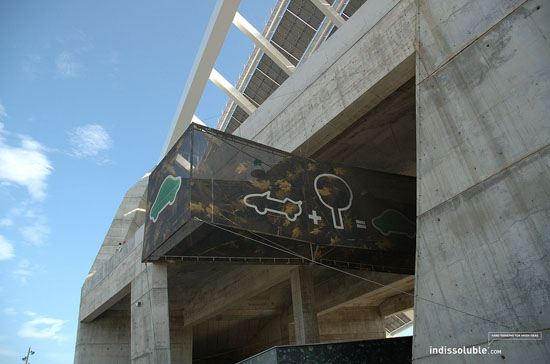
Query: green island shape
x: 394, y: 222
x: 166, y: 196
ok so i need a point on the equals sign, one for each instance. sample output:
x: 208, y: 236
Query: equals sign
x: 361, y: 224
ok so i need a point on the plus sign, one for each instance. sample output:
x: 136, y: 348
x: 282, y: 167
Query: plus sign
x: 313, y: 216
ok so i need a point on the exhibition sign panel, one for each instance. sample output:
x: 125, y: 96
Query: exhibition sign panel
x: 216, y: 196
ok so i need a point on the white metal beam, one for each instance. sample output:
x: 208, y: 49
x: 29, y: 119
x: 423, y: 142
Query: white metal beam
x: 329, y: 11
x: 248, y: 29
x: 210, y: 47
x: 232, y: 92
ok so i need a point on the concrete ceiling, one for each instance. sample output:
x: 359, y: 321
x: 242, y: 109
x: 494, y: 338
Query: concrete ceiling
x: 383, y: 139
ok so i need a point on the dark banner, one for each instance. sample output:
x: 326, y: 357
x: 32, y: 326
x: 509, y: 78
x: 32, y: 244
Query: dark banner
x: 238, y: 185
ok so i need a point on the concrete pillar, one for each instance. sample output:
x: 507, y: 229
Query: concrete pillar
x: 150, y: 320
x: 273, y: 332
x: 284, y: 328
x: 303, y: 304
x: 104, y: 340
x: 181, y: 339
x: 187, y: 347
x: 352, y: 323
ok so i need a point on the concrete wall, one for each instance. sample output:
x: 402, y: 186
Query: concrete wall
x: 105, y: 340
x: 352, y: 323
x: 150, y: 318
x: 483, y: 133
x: 483, y: 156
x: 366, y: 60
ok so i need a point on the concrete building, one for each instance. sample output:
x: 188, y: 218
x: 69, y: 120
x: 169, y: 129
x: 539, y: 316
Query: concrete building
x: 455, y: 93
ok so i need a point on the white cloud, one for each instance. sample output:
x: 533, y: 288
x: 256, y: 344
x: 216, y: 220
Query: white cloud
x: 3, y: 113
x: 42, y: 328
x: 10, y: 311
x: 21, y: 275
x: 112, y: 58
x: 4, y: 351
x: 7, y: 352
x: 24, y: 263
x: 22, y: 272
x: 37, y: 232
x: 6, y: 249
x: 89, y: 140
x: 30, y: 313
x: 31, y: 67
x: 66, y: 65
x: 6, y: 221
x: 24, y: 165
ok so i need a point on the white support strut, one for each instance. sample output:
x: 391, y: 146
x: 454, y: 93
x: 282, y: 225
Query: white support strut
x: 232, y: 92
x: 329, y: 11
x: 248, y: 29
x: 216, y: 31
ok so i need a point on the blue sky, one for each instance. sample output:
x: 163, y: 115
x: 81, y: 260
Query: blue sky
x: 87, y: 93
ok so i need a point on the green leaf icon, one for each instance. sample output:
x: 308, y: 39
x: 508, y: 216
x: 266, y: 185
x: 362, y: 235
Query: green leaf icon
x: 394, y: 222
x: 166, y: 196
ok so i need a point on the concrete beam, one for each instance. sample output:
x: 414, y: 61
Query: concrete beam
x: 342, y: 81
x: 239, y: 284
x: 240, y: 22
x: 329, y: 11
x: 341, y: 291
x: 396, y: 304
x: 215, y: 34
x: 111, y: 281
x: 237, y: 97
x: 247, y: 314
x: 352, y: 323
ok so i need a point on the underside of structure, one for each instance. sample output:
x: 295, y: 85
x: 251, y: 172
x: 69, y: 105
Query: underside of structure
x: 379, y: 164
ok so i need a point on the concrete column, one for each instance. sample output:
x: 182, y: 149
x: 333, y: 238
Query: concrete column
x: 303, y: 304
x: 187, y: 347
x: 284, y: 328
x: 104, y: 340
x: 181, y: 339
x: 352, y: 323
x: 150, y: 320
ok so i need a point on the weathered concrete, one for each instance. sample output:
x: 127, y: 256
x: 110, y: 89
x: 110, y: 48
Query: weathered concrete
x: 352, y: 323
x: 105, y: 340
x: 150, y: 318
x: 241, y: 283
x: 485, y: 109
x: 397, y: 304
x: 181, y: 339
x: 447, y: 27
x: 486, y: 253
x: 482, y: 162
x: 370, y: 57
x: 483, y: 159
x: 303, y: 304
x: 390, y: 129
x: 128, y: 218
x: 111, y: 281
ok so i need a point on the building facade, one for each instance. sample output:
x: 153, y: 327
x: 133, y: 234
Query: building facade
x: 453, y: 93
